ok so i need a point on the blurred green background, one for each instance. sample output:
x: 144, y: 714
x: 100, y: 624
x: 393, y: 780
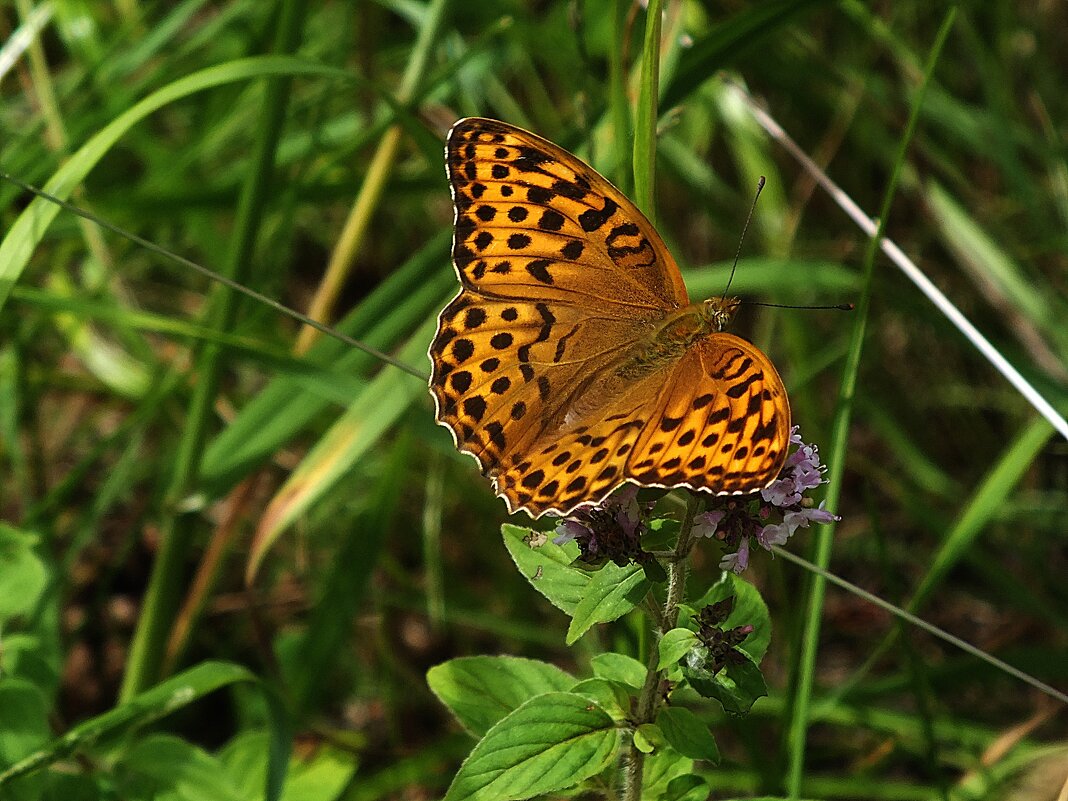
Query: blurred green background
x: 161, y: 436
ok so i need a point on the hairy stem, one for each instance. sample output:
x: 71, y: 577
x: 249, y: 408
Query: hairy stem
x: 649, y: 698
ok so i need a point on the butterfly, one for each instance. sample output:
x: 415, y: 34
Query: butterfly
x: 572, y: 360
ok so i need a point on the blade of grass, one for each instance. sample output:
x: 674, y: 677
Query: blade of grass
x: 619, y: 108
x: 360, y: 428
x: 271, y: 419
x: 121, y: 316
x: 32, y: 224
x: 824, y: 537
x: 645, y: 115
x: 24, y: 35
x: 645, y: 120
x: 167, y: 578
x: 351, y: 238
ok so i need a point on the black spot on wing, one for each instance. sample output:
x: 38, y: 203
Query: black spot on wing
x: 592, y: 219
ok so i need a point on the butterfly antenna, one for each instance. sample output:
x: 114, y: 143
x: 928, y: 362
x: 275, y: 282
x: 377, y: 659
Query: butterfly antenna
x: 741, y: 239
x: 832, y: 307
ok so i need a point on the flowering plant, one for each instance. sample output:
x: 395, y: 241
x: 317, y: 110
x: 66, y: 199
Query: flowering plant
x: 604, y: 562
x: 614, y: 529
x: 782, y: 508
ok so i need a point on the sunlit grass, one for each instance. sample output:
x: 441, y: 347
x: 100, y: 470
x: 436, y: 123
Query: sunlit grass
x: 324, y: 465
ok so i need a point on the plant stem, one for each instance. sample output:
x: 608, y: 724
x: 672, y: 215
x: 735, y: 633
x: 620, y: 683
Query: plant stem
x: 353, y: 235
x: 163, y: 595
x: 649, y: 697
x: 824, y: 537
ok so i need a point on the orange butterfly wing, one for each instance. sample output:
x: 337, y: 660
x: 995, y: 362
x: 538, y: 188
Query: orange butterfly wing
x: 564, y: 281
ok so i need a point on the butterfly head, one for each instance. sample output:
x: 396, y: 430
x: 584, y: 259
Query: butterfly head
x: 719, y: 312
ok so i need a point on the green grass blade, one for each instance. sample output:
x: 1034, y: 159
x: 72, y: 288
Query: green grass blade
x: 645, y: 115
x: 167, y: 577
x: 18, y: 244
x: 371, y: 415
x: 288, y: 403
x: 824, y: 536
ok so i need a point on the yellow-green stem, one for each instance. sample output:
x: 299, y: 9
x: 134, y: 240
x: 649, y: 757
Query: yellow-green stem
x: 374, y: 184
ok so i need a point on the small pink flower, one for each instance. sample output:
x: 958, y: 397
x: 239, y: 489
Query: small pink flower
x: 567, y: 530
x: 706, y: 525
x: 781, y: 492
x: 784, y: 509
x: 775, y: 534
x: 814, y: 515
x: 737, y: 562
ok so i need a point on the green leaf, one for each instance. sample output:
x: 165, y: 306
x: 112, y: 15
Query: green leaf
x: 163, y: 767
x: 26, y: 656
x: 661, y: 769
x: 620, y: 668
x: 550, y: 743
x: 661, y: 535
x: 736, y: 687
x: 22, y: 573
x: 749, y: 609
x: 548, y: 567
x: 647, y: 737
x: 480, y: 690
x: 23, y: 720
x: 613, y: 591
x: 685, y: 732
x: 686, y: 616
x: 654, y: 571
x: 322, y: 776
x: 674, y: 646
x: 612, y: 696
x: 687, y: 788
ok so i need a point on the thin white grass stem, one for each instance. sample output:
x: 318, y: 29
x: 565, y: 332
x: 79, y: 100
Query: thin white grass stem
x: 906, y: 265
x: 23, y: 36
x: 920, y: 623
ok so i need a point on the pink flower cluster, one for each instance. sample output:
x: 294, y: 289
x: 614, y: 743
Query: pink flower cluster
x: 611, y: 530
x: 736, y: 523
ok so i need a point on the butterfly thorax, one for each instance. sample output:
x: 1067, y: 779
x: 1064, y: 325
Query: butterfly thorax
x: 676, y: 334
